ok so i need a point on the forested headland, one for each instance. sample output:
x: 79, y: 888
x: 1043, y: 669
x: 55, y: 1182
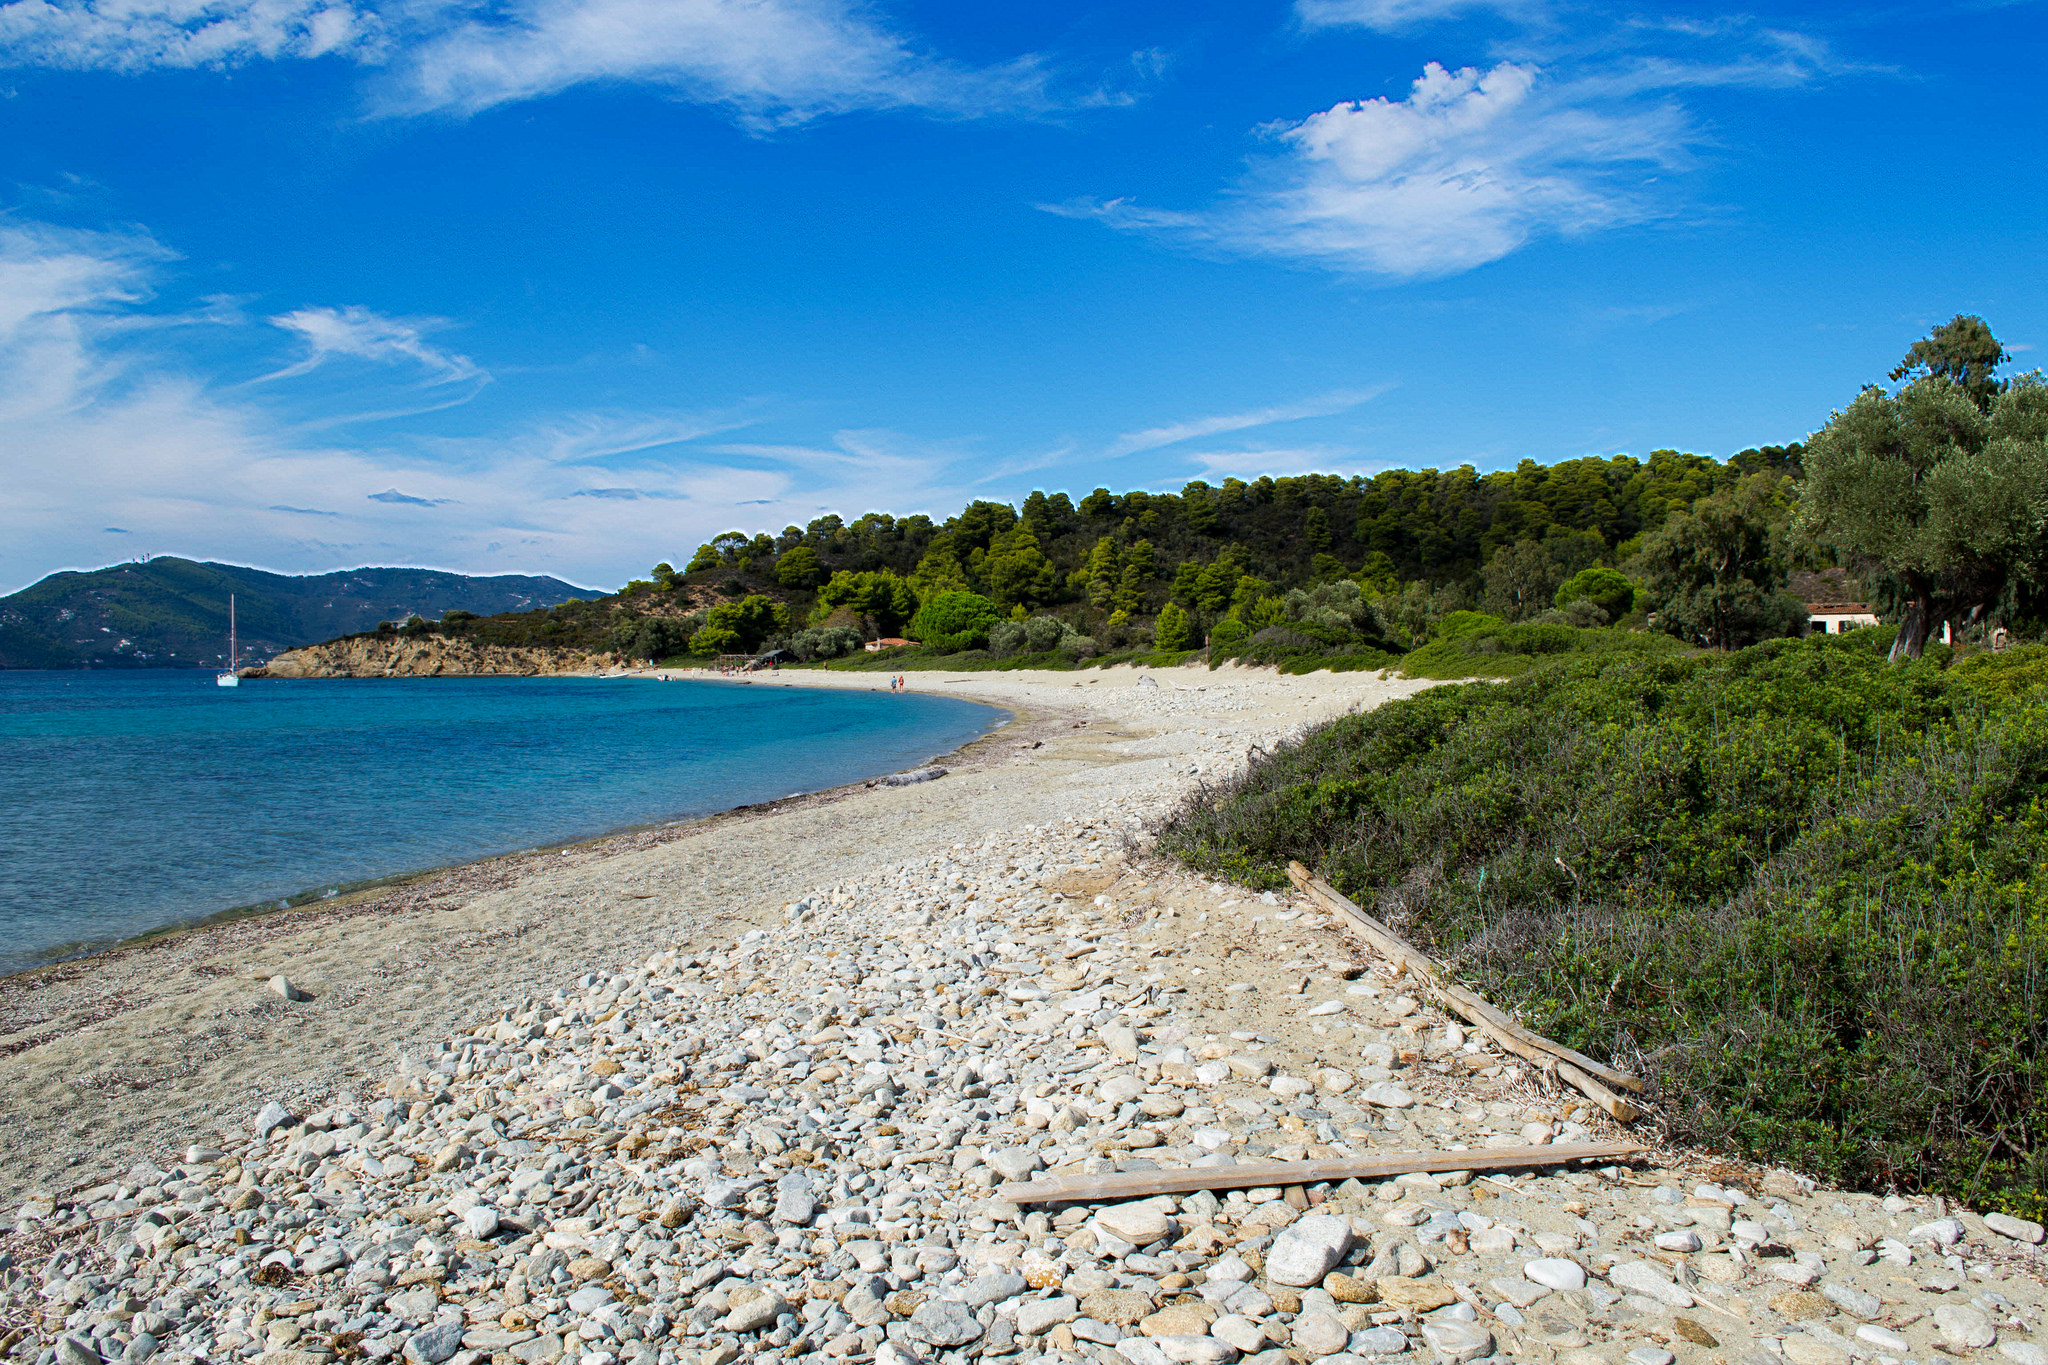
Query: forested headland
x: 1926, y: 499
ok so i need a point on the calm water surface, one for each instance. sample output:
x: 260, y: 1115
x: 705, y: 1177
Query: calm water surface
x: 132, y: 801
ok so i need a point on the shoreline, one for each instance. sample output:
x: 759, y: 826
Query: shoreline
x: 127, y: 1050
x: 757, y: 1128
x: 353, y: 893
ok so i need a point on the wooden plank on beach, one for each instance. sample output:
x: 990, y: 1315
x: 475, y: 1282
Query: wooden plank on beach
x: 1571, y: 1066
x: 1090, y: 1189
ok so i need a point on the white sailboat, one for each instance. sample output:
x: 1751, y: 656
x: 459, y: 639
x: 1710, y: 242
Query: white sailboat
x: 230, y: 678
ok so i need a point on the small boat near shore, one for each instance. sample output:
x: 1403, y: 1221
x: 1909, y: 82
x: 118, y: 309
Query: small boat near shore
x: 231, y: 678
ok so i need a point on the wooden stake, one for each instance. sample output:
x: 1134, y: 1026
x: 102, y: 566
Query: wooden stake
x: 1092, y: 1189
x: 1572, y: 1067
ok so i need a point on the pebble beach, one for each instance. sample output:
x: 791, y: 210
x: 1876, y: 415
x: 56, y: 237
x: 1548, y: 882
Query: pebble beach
x: 752, y: 1088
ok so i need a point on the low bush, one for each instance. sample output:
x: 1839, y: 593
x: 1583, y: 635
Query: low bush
x: 1794, y: 886
x: 954, y: 621
x: 1482, y: 646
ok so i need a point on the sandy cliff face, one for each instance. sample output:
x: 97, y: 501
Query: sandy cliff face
x: 427, y: 656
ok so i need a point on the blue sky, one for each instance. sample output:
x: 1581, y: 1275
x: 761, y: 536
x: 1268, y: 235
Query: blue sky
x: 567, y: 286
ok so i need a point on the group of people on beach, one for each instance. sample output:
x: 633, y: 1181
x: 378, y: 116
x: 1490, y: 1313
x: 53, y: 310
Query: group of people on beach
x: 898, y: 683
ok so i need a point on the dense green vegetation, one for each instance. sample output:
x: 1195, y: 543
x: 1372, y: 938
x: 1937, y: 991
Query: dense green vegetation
x: 173, y: 613
x: 1304, y: 572
x: 1793, y: 884
x: 1588, y: 556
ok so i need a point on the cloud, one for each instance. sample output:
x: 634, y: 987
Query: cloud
x: 137, y: 35
x: 1469, y: 167
x: 1174, y: 433
x: 1388, y: 16
x: 108, y: 415
x: 60, y: 290
x: 628, y: 494
x: 360, y: 334
x: 768, y: 63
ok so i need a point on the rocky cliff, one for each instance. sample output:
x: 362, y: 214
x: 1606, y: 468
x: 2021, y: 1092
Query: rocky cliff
x: 428, y: 656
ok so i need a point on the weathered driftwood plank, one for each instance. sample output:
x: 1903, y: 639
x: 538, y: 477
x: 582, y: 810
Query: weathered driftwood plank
x: 1069, y: 1189
x: 1571, y: 1066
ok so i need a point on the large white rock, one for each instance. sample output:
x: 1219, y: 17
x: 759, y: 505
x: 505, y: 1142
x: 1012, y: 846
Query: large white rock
x: 1638, y: 1277
x: 1802, y: 1349
x: 1036, y: 1317
x: 1320, y: 1333
x: 1554, y: 1272
x: 1194, y: 1350
x: 1013, y: 1163
x: 1944, y: 1231
x: 1304, y: 1253
x: 1387, y: 1095
x: 1122, y: 1042
x: 1140, y: 1222
x: 2019, y: 1229
x: 2022, y: 1352
x: 1142, y: 1351
x: 1118, y: 1089
x: 1247, y: 1336
x: 1963, y: 1328
x: 1457, y: 1342
x: 480, y: 1222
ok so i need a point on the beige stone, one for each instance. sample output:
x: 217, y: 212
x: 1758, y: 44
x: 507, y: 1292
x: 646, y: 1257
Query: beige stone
x: 1420, y: 1295
x: 1179, y: 1319
x: 1347, y: 1289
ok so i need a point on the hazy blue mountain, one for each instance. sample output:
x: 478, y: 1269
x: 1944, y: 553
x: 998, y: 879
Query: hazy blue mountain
x: 173, y: 613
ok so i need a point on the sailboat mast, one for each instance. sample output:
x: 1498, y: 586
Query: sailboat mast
x: 234, y: 651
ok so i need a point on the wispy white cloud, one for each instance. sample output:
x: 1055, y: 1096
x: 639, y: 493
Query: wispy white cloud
x: 106, y: 421
x: 1469, y: 167
x: 769, y: 63
x: 1389, y: 16
x: 360, y: 334
x: 137, y: 35
x: 396, y: 498
x: 1277, y: 461
x: 1174, y: 433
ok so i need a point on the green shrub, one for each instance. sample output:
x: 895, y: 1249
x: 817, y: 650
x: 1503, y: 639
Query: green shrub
x: 1608, y: 589
x: 1173, y: 630
x: 1494, y: 649
x: 740, y: 627
x: 1458, y: 624
x: 828, y: 642
x: 800, y: 568
x: 953, y: 621
x: 1229, y: 635
x: 1794, y: 886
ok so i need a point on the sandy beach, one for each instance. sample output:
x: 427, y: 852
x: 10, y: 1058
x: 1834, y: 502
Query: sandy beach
x: 766, y: 1087
x: 130, y: 1053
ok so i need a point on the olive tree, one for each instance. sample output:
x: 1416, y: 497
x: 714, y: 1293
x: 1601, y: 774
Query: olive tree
x: 1937, y: 502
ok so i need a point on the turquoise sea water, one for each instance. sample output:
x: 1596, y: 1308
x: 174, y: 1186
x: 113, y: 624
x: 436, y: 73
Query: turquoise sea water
x: 134, y: 800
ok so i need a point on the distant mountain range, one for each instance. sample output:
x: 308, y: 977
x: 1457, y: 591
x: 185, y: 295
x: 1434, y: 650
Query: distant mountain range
x: 173, y: 613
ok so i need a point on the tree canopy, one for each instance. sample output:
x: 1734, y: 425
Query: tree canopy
x: 1938, y: 504
x: 1961, y: 350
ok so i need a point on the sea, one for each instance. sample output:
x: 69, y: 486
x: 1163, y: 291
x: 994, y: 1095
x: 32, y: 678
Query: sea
x: 136, y: 801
